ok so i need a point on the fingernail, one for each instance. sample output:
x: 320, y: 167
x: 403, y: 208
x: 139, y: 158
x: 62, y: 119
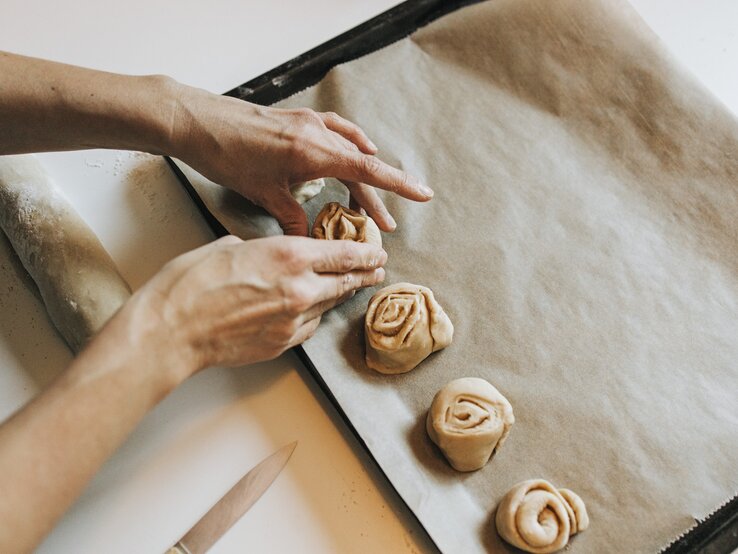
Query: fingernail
x: 371, y: 144
x: 425, y: 189
x: 391, y: 221
x: 380, y: 274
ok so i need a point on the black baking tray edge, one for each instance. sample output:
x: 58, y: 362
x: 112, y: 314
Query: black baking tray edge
x: 716, y: 534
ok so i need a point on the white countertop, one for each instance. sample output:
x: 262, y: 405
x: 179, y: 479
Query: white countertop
x: 215, y: 427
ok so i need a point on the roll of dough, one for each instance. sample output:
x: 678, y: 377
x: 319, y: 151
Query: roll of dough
x: 403, y: 325
x: 335, y: 222
x: 537, y: 517
x: 469, y: 420
x: 77, y: 279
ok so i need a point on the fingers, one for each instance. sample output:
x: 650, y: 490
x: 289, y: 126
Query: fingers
x: 341, y: 256
x: 321, y: 307
x: 333, y: 287
x: 305, y: 331
x: 287, y: 211
x: 334, y: 290
x: 349, y: 131
x: 361, y: 160
x: 364, y: 168
x: 367, y: 198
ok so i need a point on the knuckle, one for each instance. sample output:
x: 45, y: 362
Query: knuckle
x: 304, y: 128
x: 346, y: 264
x: 368, y: 165
x: 345, y: 284
x: 402, y: 181
x: 298, y: 298
x: 291, y: 257
x: 348, y: 258
x: 307, y: 117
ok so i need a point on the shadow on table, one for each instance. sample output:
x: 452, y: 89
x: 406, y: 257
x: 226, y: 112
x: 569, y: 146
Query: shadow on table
x: 388, y: 493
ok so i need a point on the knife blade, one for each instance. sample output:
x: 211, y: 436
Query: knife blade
x: 234, y: 504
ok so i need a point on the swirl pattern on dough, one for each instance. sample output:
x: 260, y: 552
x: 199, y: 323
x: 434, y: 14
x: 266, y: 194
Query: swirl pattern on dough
x: 469, y: 420
x: 336, y: 222
x: 537, y: 517
x: 403, y: 325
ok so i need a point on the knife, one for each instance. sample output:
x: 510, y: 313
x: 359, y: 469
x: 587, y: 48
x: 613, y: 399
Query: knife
x: 234, y: 504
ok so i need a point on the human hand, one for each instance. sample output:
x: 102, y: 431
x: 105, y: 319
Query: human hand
x: 233, y: 302
x: 260, y: 151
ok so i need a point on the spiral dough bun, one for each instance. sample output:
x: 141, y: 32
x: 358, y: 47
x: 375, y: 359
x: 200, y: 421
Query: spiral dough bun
x: 403, y: 325
x: 336, y: 222
x: 469, y: 420
x: 537, y: 517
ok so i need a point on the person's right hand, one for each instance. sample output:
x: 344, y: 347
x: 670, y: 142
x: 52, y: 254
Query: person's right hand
x: 233, y: 302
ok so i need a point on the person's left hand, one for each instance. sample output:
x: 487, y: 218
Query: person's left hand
x: 260, y: 151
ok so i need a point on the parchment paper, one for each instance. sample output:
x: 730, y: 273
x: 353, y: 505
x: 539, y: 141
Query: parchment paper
x: 584, y: 241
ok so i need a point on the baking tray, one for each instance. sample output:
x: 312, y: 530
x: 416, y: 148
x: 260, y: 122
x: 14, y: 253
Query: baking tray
x: 716, y: 534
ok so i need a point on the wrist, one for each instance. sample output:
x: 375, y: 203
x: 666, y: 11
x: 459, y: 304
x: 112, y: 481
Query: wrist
x: 160, y: 128
x: 182, y: 138
x: 157, y: 348
x: 200, y: 120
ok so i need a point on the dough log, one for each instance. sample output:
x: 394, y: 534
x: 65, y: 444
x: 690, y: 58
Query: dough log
x: 77, y: 279
x: 403, y: 325
x: 537, y: 517
x: 335, y: 222
x: 469, y: 420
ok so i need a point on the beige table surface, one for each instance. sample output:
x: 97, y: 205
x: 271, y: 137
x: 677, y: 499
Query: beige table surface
x: 199, y: 441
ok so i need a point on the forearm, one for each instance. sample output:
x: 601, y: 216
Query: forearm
x: 48, y: 106
x: 51, y: 448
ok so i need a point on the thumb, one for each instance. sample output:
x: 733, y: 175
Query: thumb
x: 287, y: 212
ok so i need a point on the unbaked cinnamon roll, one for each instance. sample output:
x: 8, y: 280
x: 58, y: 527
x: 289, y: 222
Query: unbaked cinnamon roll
x: 537, y: 517
x: 469, y: 420
x: 404, y: 324
x: 336, y: 222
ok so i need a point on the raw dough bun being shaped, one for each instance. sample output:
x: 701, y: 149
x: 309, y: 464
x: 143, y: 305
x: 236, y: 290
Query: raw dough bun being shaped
x: 469, y: 420
x: 335, y: 222
x: 403, y: 325
x: 78, y: 281
x: 537, y: 517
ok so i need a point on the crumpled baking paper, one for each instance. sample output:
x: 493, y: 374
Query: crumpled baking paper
x: 583, y: 239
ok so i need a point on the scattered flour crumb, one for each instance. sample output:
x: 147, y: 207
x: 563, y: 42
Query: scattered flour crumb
x: 118, y: 163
